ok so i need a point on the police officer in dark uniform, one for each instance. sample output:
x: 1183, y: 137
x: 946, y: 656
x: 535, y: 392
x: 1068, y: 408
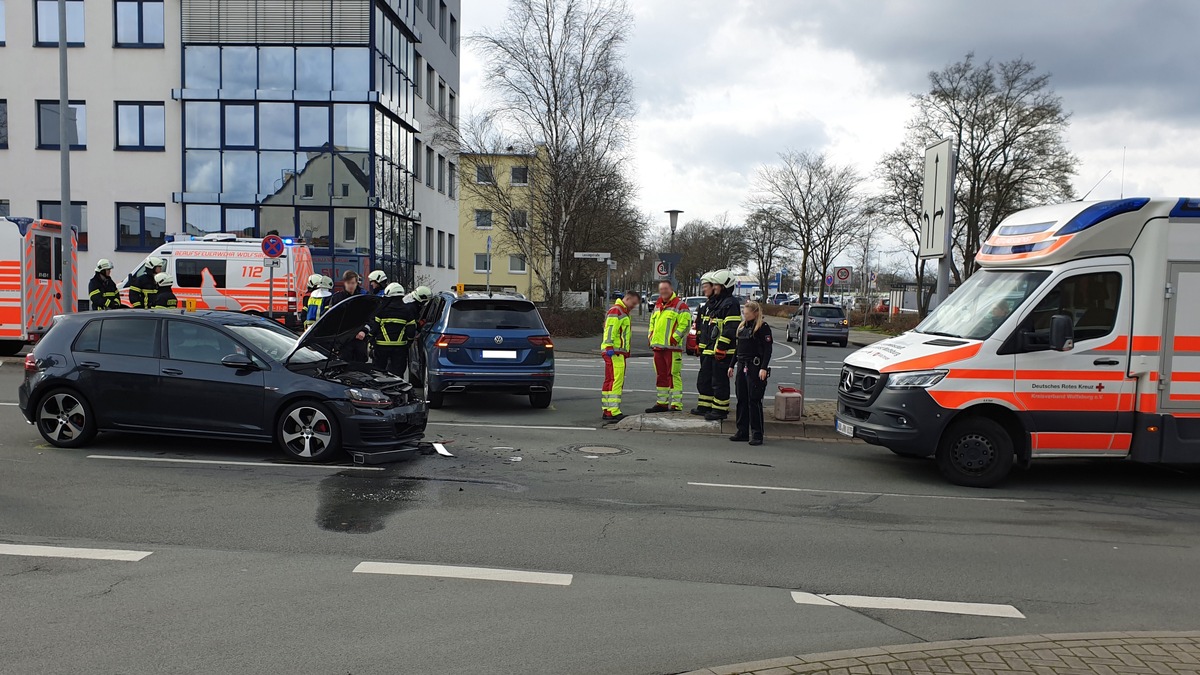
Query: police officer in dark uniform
x: 750, y: 372
x: 102, y: 290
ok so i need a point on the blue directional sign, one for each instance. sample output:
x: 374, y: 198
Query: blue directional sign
x: 272, y: 246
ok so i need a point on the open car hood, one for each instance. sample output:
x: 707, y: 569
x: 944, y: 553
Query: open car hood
x: 339, y: 323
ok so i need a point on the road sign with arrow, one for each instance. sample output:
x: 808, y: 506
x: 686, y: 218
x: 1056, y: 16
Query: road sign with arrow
x: 937, y: 200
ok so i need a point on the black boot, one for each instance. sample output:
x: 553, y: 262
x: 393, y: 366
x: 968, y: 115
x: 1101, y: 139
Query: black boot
x: 701, y: 411
x: 716, y: 416
x: 659, y: 408
x: 757, y: 440
x: 739, y: 438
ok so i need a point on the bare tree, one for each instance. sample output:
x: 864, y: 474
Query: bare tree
x: 556, y: 67
x: 708, y: 245
x: 1008, y: 127
x: 901, y: 172
x: 841, y: 216
x: 791, y: 189
x: 766, y: 236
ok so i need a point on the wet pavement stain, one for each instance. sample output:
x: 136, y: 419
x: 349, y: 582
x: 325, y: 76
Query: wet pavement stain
x: 357, y: 504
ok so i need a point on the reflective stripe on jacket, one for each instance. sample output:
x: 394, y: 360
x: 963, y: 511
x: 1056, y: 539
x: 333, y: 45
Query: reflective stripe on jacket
x: 165, y: 297
x: 142, y: 291
x: 394, y: 323
x: 725, y: 316
x: 315, y: 308
x: 669, y: 323
x: 617, y: 329
x: 102, y: 291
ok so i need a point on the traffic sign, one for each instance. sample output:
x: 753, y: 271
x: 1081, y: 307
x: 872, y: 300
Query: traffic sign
x: 271, y: 262
x: 874, y: 276
x: 937, y: 200
x: 843, y: 274
x: 829, y: 280
x: 662, y: 269
x: 272, y: 246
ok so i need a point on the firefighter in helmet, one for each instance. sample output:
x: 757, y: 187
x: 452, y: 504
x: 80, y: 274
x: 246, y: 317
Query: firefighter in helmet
x: 102, y: 290
x: 321, y: 289
x: 724, y: 318
x: 164, y: 297
x: 377, y: 283
x: 143, y: 288
x: 704, y: 349
x: 392, y: 330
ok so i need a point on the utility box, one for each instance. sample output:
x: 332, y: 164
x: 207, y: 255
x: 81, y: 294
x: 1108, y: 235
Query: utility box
x: 789, y: 404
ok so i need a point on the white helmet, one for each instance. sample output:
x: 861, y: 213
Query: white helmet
x: 104, y: 264
x: 378, y: 276
x: 724, y: 278
x: 326, y: 283
x: 393, y: 290
x: 154, y: 261
x: 706, y: 278
x: 164, y: 279
x: 422, y: 294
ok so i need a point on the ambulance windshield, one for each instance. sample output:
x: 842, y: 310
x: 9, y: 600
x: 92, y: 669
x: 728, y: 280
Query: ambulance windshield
x: 982, y: 304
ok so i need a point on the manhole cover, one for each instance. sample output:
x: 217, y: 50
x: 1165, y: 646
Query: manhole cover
x: 598, y: 450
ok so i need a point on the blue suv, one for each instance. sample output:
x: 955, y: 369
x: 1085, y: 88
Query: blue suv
x: 480, y: 342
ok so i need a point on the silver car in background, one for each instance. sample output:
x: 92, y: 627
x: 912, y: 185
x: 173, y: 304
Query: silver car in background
x: 826, y: 323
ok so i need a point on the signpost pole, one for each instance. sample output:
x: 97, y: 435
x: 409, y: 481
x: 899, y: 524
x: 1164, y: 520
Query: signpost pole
x: 65, y: 115
x: 607, y: 283
x: 271, y: 294
x: 803, y: 347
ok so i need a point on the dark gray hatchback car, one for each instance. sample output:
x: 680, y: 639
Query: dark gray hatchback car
x: 826, y: 323
x: 219, y: 375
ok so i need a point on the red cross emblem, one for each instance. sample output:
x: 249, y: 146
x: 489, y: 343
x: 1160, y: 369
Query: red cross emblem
x: 1100, y: 387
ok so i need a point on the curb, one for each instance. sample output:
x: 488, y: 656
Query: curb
x: 678, y: 423
x: 931, y: 650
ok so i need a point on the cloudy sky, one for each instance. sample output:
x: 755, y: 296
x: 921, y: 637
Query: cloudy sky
x: 724, y: 85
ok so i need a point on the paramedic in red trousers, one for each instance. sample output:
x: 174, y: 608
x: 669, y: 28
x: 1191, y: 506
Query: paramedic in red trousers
x: 615, y: 346
x: 750, y: 372
x: 669, y: 323
x: 723, y: 319
x: 704, y: 349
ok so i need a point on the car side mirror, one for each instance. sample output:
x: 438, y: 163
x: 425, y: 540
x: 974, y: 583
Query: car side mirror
x: 1062, y: 333
x: 239, y: 362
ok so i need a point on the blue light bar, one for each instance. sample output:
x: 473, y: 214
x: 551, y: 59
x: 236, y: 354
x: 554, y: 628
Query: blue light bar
x: 1186, y: 208
x: 287, y: 241
x: 1099, y: 212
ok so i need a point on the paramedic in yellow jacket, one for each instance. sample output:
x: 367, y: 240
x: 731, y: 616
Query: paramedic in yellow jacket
x: 670, y: 321
x: 615, y: 345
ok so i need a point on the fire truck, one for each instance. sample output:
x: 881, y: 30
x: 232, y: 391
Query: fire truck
x: 1078, y: 337
x: 31, y: 289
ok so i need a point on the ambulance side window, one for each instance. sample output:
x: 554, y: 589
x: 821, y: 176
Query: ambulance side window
x: 1091, y: 300
x: 42, y: 261
x: 190, y: 273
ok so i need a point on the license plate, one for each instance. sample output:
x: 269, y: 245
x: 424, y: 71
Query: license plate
x: 499, y: 354
x: 828, y: 325
x: 843, y: 428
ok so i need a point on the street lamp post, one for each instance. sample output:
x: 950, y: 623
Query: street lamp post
x: 64, y: 166
x: 674, y: 214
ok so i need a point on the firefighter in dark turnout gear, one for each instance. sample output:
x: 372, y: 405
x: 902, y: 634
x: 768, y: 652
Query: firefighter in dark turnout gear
x: 704, y: 349
x: 750, y: 372
x: 143, y: 287
x: 102, y: 290
x: 723, y: 322
x: 392, y: 330
x: 164, y: 296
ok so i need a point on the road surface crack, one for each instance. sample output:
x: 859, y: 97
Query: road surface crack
x: 604, y: 528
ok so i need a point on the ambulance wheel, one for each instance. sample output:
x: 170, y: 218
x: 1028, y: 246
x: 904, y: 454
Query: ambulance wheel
x: 10, y: 347
x: 65, y: 419
x: 975, y: 452
x: 308, y: 431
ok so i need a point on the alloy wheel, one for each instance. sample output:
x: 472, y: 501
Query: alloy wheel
x: 306, y: 431
x: 62, y: 417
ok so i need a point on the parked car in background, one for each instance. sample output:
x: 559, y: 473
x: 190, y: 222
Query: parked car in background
x: 483, y: 343
x: 218, y: 374
x: 780, y: 298
x: 826, y: 323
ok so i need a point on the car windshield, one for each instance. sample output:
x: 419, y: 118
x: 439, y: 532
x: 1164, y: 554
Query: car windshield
x: 276, y: 342
x: 826, y: 312
x: 982, y: 304
x: 495, y: 315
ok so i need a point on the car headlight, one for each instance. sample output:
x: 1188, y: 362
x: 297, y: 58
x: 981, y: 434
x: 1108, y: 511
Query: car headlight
x: 845, y: 322
x: 919, y: 379
x: 368, y: 397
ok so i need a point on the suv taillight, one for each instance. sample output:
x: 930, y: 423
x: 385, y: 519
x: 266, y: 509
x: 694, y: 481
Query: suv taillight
x: 541, y: 341
x: 448, y: 340
x: 31, y: 363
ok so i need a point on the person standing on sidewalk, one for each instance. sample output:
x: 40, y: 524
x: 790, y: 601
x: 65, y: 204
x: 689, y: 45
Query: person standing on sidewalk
x: 355, y: 350
x: 615, y: 345
x: 750, y: 372
x: 669, y: 323
x: 723, y: 322
x: 704, y: 349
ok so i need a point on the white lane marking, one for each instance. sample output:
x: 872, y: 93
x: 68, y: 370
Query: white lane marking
x: 787, y: 347
x: 863, y: 494
x: 260, y: 465
x: 66, y: 552
x: 908, y: 604
x: 13, y: 404
x: 511, y: 426
x: 454, y: 572
x: 768, y: 397
x: 441, y: 450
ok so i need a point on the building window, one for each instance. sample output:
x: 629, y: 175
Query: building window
x: 141, y: 126
x: 452, y: 187
x: 138, y: 23
x: 441, y: 249
x: 441, y: 99
x: 441, y: 174
x: 520, y: 175
x: 442, y: 20
x: 350, y: 229
x: 308, y: 192
x: 416, y: 160
x: 77, y: 217
x: 430, y: 83
x: 141, y: 227
x: 519, y: 219
x: 48, y: 125
x: 46, y: 17
x: 5, y: 208
x: 429, y: 167
x: 345, y: 189
x: 485, y: 174
x: 453, y: 34
x: 450, y: 251
x: 453, y: 118
x: 430, y: 13
x: 483, y: 219
x: 516, y: 264
x: 417, y: 71
x: 3, y: 122
x: 483, y: 263
x: 2, y: 32
x: 429, y: 246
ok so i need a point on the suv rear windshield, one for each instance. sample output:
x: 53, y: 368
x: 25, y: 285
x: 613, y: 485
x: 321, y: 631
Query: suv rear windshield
x: 826, y: 312
x: 494, y: 315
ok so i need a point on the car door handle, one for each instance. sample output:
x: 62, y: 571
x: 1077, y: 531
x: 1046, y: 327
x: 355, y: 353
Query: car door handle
x: 1106, y: 362
x: 172, y: 371
x: 90, y: 365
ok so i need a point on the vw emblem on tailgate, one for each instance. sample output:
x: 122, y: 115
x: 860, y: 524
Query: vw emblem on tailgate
x: 499, y: 339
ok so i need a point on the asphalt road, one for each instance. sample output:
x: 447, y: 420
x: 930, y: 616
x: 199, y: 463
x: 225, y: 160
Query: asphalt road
x: 251, y: 567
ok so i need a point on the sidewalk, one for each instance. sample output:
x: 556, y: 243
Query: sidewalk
x: 817, y: 423
x: 1075, y: 654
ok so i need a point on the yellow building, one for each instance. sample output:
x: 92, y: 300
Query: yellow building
x: 494, y: 201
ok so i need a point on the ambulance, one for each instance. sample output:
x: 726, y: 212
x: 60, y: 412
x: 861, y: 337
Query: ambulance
x: 223, y: 271
x: 1078, y: 337
x: 31, y: 289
